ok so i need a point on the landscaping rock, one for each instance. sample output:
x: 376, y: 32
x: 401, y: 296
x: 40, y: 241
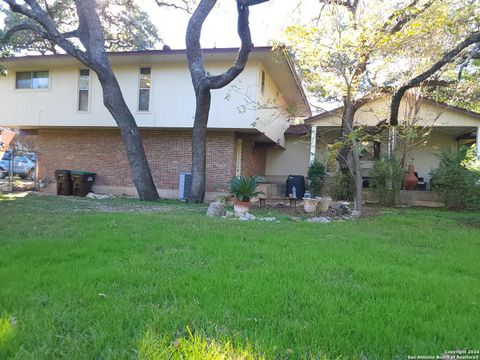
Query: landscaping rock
x: 339, y: 208
x: 215, y: 208
x: 92, y: 195
x: 268, y: 219
x: 320, y: 220
x: 355, y: 214
x: 249, y: 216
x: 229, y: 214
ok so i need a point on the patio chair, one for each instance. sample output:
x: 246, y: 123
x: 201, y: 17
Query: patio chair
x: 421, y: 184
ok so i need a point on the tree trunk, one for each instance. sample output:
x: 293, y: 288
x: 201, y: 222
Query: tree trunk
x: 132, y: 140
x: 358, y: 178
x: 90, y: 34
x: 199, y: 146
x: 354, y: 170
x: 346, y: 129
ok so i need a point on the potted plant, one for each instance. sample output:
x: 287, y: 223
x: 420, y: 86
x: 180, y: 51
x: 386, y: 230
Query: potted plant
x: 243, y: 190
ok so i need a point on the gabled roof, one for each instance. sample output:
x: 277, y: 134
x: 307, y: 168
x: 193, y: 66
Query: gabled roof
x: 339, y: 110
x: 298, y: 130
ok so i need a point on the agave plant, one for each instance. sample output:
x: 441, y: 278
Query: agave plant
x: 244, y: 189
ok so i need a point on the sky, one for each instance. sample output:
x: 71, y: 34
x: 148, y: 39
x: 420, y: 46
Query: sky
x: 267, y: 21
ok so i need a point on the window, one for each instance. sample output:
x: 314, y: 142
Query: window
x: 144, y: 89
x: 83, y: 89
x: 32, y: 80
x: 262, y: 89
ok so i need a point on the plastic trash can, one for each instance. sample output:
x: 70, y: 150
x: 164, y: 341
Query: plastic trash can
x: 82, y: 182
x: 64, y: 182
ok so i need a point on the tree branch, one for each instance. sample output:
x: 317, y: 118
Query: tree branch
x: 252, y: 2
x: 185, y: 7
x: 403, y: 16
x: 194, y: 49
x: 350, y: 5
x: 474, y: 55
x: 24, y: 27
x: 35, y: 12
x: 71, y: 34
x: 446, y: 58
x: 219, y: 81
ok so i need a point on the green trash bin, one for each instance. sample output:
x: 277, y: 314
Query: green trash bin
x: 82, y: 182
x: 64, y: 182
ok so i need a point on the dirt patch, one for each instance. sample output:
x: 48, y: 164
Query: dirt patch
x: 296, y: 210
x: 470, y: 222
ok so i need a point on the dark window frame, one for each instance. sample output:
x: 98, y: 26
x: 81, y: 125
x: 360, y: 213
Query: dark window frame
x: 85, y: 90
x: 31, y: 80
x: 144, y: 89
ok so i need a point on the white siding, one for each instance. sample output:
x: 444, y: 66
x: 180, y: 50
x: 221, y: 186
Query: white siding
x: 172, y: 99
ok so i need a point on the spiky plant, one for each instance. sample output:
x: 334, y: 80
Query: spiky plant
x: 244, y: 189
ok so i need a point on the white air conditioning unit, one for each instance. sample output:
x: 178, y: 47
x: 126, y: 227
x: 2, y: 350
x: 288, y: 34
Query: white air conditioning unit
x: 184, y: 187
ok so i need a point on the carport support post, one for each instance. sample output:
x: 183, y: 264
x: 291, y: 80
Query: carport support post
x: 11, y: 168
x: 313, y: 144
x: 478, y: 143
x: 392, y: 137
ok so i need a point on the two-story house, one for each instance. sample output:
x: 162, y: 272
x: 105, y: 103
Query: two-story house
x: 59, y: 100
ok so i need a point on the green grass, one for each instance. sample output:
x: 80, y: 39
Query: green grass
x: 144, y: 282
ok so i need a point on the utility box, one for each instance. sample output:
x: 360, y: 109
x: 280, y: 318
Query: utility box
x: 184, y: 186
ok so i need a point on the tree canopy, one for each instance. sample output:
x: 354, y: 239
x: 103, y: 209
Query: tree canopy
x: 125, y: 25
x: 369, y: 46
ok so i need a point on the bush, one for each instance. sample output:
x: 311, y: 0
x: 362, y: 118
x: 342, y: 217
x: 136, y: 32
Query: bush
x: 386, y: 179
x: 343, y: 187
x: 316, y: 177
x: 457, y: 179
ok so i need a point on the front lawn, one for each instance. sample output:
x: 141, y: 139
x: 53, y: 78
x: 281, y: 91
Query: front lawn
x: 114, y: 279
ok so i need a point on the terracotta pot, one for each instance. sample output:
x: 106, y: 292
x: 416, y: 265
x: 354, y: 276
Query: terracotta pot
x: 240, y: 208
x: 229, y: 201
x: 310, y: 205
x: 410, y: 180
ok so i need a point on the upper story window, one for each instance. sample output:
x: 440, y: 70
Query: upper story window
x: 32, y: 80
x: 83, y: 89
x: 262, y: 88
x: 145, y: 84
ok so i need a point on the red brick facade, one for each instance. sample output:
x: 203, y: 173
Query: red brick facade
x: 254, y: 158
x: 168, y: 152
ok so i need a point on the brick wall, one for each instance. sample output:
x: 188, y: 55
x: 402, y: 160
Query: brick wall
x: 254, y: 158
x: 101, y: 151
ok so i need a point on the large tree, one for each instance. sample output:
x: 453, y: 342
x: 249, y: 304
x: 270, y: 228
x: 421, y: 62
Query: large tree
x: 340, y: 54
x: 125, y: 25
x: 204, y: 83
x: 85, y: 41
x: 446, y: 58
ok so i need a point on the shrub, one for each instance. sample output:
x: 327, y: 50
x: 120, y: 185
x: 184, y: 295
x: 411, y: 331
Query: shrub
x: 316, y: 177
x: 457, y: 179
x: 244, y: 189
x: 386, y: 179
x: 343, y: 187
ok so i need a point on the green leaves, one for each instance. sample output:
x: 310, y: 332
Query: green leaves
x: 316, y: 177
x: 244, y: 189
x: 386, y: 179
x: 125, y: 25
x: 457, y: 179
